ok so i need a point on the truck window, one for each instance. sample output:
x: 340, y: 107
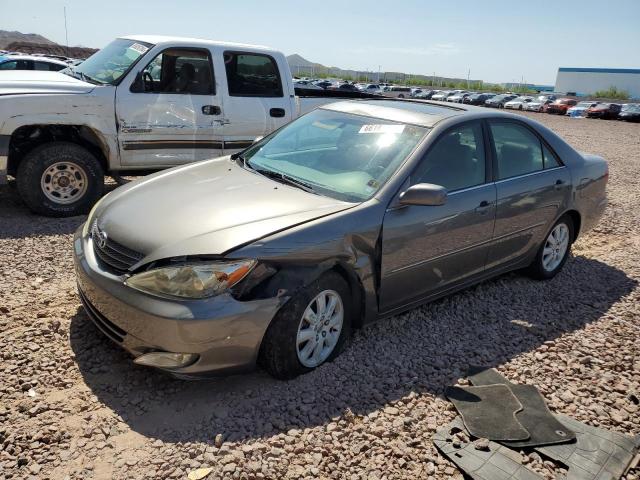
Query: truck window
x: 180, y: 70
x: 251, y: 74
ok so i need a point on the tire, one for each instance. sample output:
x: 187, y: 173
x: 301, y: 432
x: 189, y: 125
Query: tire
x: 279, y: 349
x: 66, y: 159
x: 537, y: 268
x: 401, y: 96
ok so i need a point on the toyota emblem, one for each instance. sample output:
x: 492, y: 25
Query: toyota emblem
x: 99, y: 236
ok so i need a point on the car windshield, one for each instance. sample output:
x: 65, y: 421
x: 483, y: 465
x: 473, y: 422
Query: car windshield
x: 631, y: 108
x: 339, y: 155
x: 107, y: 65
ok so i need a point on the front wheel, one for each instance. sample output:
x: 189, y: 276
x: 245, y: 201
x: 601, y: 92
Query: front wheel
x: 60, y: 179
x: 554, y: 251
x: 311, y: 329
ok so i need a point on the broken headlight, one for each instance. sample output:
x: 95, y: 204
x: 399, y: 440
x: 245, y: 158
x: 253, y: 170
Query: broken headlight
x: 194, y: 281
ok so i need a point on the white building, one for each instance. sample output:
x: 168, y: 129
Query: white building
x: 585, y: 81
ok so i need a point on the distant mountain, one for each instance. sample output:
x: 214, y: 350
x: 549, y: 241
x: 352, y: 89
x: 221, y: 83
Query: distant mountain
x: 296, y: 60
x: 7, y: 38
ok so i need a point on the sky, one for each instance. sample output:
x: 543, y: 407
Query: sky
x: 496, y: 41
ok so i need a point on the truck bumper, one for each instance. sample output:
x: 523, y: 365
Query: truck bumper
x: 4, y: 157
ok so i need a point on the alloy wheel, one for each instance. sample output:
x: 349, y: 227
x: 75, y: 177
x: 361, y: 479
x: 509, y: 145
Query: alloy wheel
x: 320, y: 328
x: 555, y: 247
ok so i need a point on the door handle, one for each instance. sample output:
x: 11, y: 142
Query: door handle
x: 559, y: 184
x: 483, y: 207
x: 211, y: 110
x: 277, y: 112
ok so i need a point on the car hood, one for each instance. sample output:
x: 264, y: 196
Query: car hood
x: 33, y: 81
x: 205, y: 208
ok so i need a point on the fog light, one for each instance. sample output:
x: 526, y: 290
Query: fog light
x: 167, y: 359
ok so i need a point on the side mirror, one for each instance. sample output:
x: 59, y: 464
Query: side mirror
x: 424, y: 194
x: 257, y: 139
x: 138, y: 84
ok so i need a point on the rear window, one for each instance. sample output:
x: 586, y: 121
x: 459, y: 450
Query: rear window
x: 252, y: 75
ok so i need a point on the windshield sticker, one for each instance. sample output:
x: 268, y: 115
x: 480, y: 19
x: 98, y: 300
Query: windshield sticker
x: 139, y: 48
x: 381, y: 129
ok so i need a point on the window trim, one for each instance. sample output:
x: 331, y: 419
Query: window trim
x: 197, y: 49
x: 494, y: 152
x: 488, y: 163
x: 256, y: 54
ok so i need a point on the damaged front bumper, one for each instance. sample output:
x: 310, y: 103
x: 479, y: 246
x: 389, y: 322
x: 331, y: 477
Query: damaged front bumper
x: 222, y: 333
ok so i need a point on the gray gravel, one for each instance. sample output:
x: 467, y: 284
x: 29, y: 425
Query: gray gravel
x: 73, y: 406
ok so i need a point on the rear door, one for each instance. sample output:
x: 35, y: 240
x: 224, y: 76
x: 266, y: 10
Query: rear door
x: 427, y: 249
x: 256, y: 100
x: 173, y: 116
x: 532, y: 187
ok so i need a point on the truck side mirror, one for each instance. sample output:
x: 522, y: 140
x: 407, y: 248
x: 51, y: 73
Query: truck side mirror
x: 138, y: 84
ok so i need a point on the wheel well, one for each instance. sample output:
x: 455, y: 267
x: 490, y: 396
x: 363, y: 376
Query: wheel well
x: 357, y: 293
x: 577, y: 221
x: 28, y: 137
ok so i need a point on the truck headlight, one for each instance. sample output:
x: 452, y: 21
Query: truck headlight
x: 200, y: 280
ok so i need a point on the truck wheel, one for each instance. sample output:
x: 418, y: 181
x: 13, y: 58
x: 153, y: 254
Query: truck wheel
x: 60, y: 179
x: 309, y: 330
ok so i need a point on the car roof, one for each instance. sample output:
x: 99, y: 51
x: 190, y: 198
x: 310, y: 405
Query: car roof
x: 163, y: 39
x: 37, y: 58
x: 424, y: 113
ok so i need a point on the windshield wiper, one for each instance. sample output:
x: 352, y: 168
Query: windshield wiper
x: 286, y: 179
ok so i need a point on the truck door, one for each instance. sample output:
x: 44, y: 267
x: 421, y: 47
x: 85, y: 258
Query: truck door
x: 171, y: 114
x: 257, y: 102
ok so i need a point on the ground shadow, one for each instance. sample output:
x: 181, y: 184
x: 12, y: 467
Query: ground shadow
x: 423, y: 350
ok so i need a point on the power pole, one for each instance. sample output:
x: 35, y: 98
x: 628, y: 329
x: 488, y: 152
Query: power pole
x: 66, y: 32
x: 468, y: 76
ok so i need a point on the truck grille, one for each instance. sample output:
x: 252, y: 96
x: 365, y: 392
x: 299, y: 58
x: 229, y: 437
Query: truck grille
x: 111, y: 253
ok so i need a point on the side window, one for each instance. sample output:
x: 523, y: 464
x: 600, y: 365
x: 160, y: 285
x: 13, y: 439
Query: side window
x: 50, y: 67
x: 550, y: 160
x: 456, y: 160
x: 517, y: 149
x: 180, y: 70
x: 9, y: 65
x: 253, y: 75
x: 17, y: 65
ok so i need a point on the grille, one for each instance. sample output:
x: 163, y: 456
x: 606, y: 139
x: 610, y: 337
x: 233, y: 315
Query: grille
x: 107, y: 327
x: 111, y: 253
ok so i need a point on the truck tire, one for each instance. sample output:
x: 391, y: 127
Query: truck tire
x: 60, y: 179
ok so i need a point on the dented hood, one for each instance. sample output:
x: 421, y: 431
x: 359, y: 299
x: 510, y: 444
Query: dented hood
x: 16, y: 82
x: 205, y: 208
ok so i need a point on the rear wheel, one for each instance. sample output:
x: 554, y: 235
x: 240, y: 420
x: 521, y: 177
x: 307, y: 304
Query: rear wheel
x: 60, y: 179
x: 311, y: 329
x: 554, y: 251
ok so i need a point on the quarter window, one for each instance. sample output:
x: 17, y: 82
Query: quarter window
x: 179, y: 70
x: 550, y: 160
x: 456, y: 160
x: 252, y: 75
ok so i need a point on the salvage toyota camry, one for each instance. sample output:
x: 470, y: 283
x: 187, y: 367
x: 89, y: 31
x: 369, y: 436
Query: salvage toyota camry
x: 355, y: 211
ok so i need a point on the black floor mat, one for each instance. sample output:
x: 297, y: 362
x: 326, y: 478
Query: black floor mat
x: 597, y: 454
x: 535, y: 417
x: 488, y: 411
x: 491, y: 462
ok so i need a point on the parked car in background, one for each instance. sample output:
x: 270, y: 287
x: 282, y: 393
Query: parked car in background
x: 518, y: 103
x: 397, y: 92
x: 561, y: 105
x: 342, y: 217
x: 442, y: 95
x: 458, y: 97
x: 31, y: 62
x: 372, y: 88
x: 306, y: 84
x: 580, y: 109
x: 477, y: 98
x: 630, y: 113
x: 537, y: 105
x: 348, y: 87
x: 324, y: 84
x: 607, y: 111
x: 142, y: 103
x: 425, y: 94
x: 499, y: 100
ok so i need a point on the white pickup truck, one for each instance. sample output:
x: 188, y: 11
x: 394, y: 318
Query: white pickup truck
x: 140, y: 104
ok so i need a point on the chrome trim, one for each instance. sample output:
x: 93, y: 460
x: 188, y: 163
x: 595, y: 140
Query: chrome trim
x: 530, y: 174
x: 4, y: 161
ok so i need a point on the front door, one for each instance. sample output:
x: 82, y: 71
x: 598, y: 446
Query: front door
x: 256, y: 103
x: 426, y: 249
x: 532, y: 188
x: 173, y: 115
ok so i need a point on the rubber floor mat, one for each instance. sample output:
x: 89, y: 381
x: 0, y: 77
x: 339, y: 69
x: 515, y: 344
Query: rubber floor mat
x: 535, y: 417
x: 491, y: 462
x: 488, y: 411
x: 597, y: 454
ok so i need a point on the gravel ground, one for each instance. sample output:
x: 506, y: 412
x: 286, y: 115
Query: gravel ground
x: 74, y: 406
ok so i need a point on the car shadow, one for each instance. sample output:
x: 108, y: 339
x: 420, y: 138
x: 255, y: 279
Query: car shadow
x: 421, y: 351
x: 19, y: 222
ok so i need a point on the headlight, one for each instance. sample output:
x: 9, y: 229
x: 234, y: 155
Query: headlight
x: 199, y: 280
